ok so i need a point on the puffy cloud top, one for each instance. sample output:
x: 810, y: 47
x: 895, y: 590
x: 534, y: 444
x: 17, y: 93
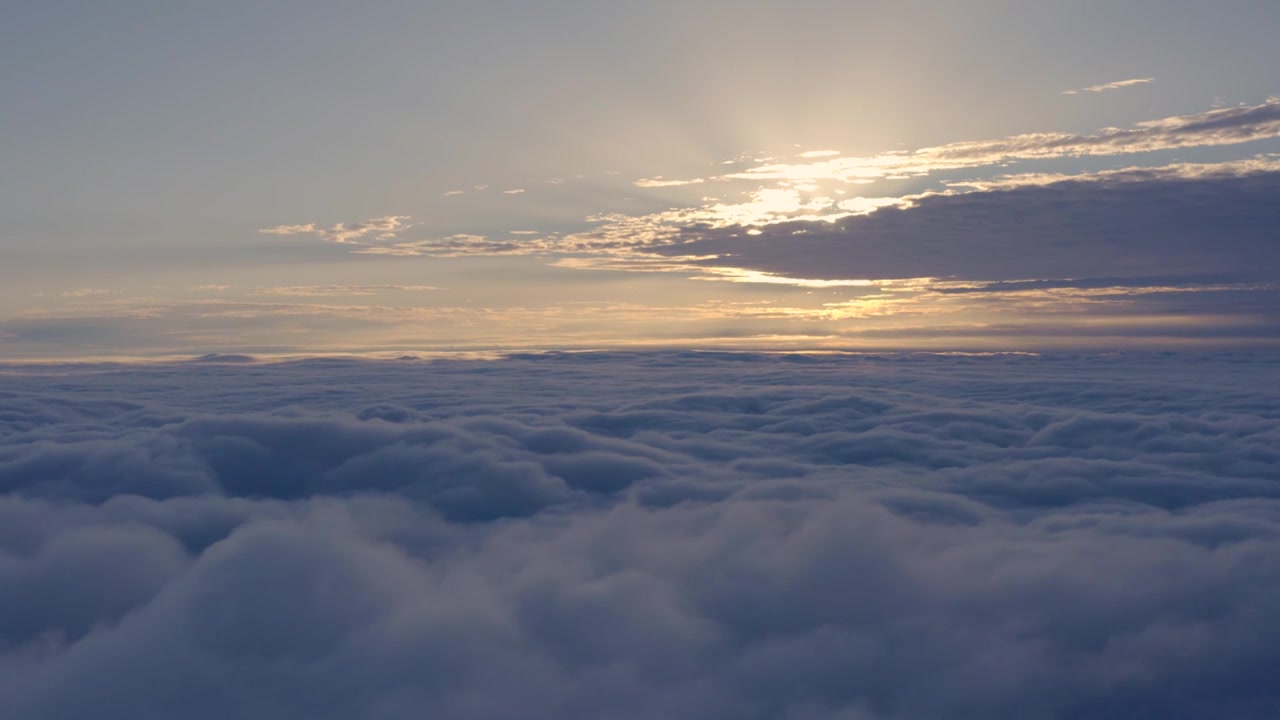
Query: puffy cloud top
x: 642, y: 535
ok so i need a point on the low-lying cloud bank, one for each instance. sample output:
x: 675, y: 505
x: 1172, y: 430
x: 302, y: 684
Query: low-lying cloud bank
x: 643, y: 535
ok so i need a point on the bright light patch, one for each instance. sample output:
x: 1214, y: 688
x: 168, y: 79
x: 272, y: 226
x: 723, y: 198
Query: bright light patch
x: 739, y: 275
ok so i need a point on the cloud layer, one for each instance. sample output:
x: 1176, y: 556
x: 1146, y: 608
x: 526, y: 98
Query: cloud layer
x: 1104, y: 225
x: 642, y: 535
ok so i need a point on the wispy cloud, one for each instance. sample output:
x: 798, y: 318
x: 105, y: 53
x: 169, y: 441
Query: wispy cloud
x: 289, y: 229
x: 513, y: 191
x: 339, y: 290
x: 464, y: 244
x: 1226, y: 126
x: 86, y: 292
x: 1212, y: 128
x: 660, y: 182
x: 381, y: 228
x: 1264, y: 163
x: 1117, y: 85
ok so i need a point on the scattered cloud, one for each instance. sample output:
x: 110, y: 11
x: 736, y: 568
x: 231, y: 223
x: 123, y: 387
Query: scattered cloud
x: 808, y: 199
x: 462, y: 245
x: 1117, y: 85
x: 381, y: 228
x: 86, y: 292
x: 514, y: 191
x: 814, y: 224
x: 289, y: 229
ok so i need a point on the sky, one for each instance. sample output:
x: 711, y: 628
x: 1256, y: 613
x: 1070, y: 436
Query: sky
x: 180, y: 178
x: 715, y: 359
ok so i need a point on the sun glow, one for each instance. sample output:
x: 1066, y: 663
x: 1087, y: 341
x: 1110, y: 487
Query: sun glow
x: 740, y: 275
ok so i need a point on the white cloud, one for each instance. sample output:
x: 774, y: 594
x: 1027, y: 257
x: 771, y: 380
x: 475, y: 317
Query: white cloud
x: 1266, y: 163
x: 86, y: 292
x: 289, y: 229
x: 460, y: 245
x: 1117, y: 85
x: 659, y: 182
x: 381, y: 228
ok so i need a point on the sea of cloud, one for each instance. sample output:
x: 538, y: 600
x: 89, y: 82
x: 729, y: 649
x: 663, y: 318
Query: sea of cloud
x: 643, y: 535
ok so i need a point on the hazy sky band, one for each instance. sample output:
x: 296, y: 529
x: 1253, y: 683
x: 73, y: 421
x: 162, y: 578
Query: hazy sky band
x: 272, y: 178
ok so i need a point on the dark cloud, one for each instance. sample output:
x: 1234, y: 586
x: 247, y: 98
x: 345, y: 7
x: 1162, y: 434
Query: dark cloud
x: 1064, y: 230
x: 639, y: 535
